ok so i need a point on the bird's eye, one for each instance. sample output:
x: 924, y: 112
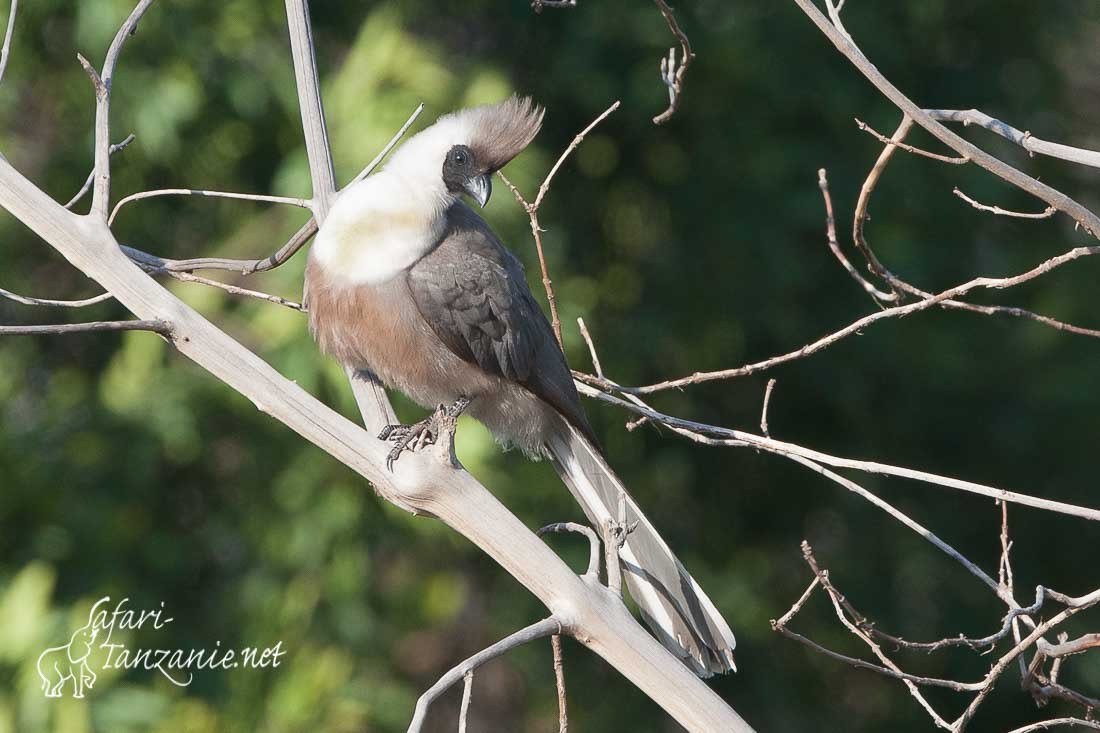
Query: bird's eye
x: 459, y: 157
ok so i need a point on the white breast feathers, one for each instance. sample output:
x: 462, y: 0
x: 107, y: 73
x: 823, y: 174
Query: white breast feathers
x: 379, y: 227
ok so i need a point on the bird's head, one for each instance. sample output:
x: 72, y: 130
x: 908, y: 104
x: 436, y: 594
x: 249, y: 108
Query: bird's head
x: 460, y: 152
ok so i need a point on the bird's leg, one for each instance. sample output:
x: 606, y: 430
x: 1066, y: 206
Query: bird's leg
x: 419, y: 434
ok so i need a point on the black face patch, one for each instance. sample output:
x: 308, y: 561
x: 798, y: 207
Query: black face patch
x: 458, y: 168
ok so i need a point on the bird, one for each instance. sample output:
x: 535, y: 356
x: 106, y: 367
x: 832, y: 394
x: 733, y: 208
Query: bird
x: 405, y: 280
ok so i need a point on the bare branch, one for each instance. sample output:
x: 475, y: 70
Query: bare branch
x: 161, y: 327
x: 467, y: 693
x: 1055, y: 722
x: 537, y: 630
x: 231, y: 289
x: 834, y: 245
x: 101, y: 188
x: 313, y: 113
x: 591, y: 347
x: 593, y: 571
x: 91, y: 174
x: 737, y: 438
x: 953, y: 160
x: 1025, y: 140
x: 559, y: 683
x: 56, y: 303
x: 840, y: 38
x: 532, y: 209
x: 284, y: 253
x: 301, y: 203
x: 764, y: 409
x: 671, y: 73
x: 7, y: 38
x: 1045, y: 214
x: 857, y: 326
x: 577, y: 140
x: 897, y: 284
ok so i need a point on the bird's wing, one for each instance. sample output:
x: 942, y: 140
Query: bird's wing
x: 474, y: 294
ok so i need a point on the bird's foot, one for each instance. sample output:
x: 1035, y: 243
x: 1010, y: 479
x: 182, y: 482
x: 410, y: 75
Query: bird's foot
x: 425, y: 432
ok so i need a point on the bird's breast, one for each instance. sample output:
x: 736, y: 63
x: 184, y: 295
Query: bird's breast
x: 377, y: 326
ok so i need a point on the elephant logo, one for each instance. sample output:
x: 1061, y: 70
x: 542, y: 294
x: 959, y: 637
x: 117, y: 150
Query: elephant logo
x: 57, y: 665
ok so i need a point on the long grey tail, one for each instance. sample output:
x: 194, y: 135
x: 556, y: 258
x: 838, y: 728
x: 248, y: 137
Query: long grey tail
x: 672, y: 603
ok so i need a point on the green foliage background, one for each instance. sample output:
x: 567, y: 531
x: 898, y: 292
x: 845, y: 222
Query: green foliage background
x: 127, y: 471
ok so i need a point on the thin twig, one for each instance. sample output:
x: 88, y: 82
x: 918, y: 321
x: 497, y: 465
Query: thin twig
x: 672, y: 74
x: 953, y: 160
x: 1055, y: 722
x: 857, y: 326
x: 897, y: 285
x: 101, y: 187
x: 532, y: 209
x: 559, y: 684
x: 25, y: 300
x: 280, y: 256
x: 591, y: 347
x: 739, y: 438
x: 91, y: 174
x: 1045, y: 214
x: 537, y: 630
x: 764, y: 409
x: 842, y: 40
x: 544, y: 188
x: 593, y: 571
x: 289, y: 201
x: 231, y: 289
x: 160, y: 327
x: 467, y: 693
x: 834, y: 245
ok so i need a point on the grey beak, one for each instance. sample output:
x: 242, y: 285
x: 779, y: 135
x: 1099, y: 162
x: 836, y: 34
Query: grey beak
x: 480, y: 189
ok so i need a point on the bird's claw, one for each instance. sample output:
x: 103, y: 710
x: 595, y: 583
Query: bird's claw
x: 419, y: 434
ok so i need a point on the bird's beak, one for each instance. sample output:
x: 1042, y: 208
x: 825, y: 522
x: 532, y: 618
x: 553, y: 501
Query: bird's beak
x: 480, y: 188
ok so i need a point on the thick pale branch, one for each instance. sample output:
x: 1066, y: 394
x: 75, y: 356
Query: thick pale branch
x: 313, y: 113
x: 419, y: 482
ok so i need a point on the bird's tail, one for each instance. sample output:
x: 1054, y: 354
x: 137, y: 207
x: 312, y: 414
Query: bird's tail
x: 672, y: 603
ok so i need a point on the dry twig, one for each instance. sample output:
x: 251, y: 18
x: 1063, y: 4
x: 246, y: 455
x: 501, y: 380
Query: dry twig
x: 672, y: 74
x: 532, y: 209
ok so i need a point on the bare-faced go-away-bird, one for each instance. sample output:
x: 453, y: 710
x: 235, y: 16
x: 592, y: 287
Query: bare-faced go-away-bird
x: 408, y: 282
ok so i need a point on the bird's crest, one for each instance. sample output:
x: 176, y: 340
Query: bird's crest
x: 496, y: 133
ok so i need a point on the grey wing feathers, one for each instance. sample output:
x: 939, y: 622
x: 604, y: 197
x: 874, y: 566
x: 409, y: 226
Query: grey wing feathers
x: 474, y: 294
